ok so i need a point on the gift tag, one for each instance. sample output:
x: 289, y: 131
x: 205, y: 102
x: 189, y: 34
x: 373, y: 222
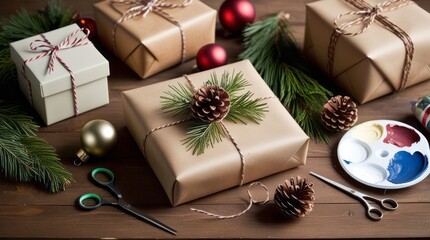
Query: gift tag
x: 384, y: 154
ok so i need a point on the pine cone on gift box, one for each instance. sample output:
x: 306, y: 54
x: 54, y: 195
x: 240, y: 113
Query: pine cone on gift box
x: 210, y: 103
x: 296, y: 198
x: 339, y: 113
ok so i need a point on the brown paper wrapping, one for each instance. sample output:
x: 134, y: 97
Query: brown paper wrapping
x: 274, y: 145
x: 151, y: 44
x: 369, y: 65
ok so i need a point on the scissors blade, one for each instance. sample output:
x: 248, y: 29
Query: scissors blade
x: 337, y: 185
x: 135, y: 212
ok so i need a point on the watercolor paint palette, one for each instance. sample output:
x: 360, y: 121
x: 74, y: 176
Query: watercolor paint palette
x: 385, y: 154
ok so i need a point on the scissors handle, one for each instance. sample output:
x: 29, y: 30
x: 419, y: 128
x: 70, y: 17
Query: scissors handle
x: 109, y: 183
x: 375, y: 213
x: 386, y: 203
x: 97, y: 201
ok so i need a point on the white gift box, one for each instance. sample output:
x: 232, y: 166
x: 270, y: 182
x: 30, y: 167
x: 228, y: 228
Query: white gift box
x: 51, y: 92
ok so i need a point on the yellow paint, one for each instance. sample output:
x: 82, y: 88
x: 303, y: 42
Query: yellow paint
x: 368, y: 132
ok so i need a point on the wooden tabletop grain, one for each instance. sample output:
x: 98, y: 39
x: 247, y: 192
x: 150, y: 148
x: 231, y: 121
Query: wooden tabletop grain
x: 28, y: 211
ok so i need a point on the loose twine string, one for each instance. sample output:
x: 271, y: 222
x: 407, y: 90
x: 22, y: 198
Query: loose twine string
x: 251, y: 201
x: 47, y: 48
x: 142, y: 8
x: 367, y: 16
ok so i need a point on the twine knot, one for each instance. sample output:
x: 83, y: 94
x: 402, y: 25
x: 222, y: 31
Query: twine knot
x: 367, y: 16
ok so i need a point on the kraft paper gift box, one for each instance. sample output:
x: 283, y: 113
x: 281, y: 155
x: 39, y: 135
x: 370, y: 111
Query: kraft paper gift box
x: 373, y: 63
x: 274, y: 145
x: 51, y: 93
x: 151, y: 43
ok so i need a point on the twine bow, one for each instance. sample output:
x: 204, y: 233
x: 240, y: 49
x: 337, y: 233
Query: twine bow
x: 47, y: 48
x: 367, y: 16
x: 142, y: 8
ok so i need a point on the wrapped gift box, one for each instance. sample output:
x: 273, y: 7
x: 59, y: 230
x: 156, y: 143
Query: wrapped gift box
x: 51, y: 94
x: 149, y: 44
x: 274, y: 145
x: 371, y: 64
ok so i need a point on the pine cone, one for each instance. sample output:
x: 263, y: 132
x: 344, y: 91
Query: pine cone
x: 210, y: 103
x: 295, y: 199
x: 339, y: 113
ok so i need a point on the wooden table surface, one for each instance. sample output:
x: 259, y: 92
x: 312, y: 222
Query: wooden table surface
x: 28, y: 211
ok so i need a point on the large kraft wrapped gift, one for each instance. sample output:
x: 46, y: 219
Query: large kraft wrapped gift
x: 59, y: 72
x: 274, y: 145
x: 150, y: 39
x: 376, y: 47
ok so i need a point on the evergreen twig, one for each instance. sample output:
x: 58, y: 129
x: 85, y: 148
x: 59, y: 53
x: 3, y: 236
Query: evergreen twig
x: 201, y: 135
x: 24, y: 156
x: 270, y: 46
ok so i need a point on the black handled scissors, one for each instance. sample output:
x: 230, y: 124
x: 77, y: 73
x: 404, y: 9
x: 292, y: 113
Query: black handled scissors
x: 120, y: 203
x: 373, y: 213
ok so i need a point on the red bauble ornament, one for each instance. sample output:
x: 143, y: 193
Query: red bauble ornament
x: 211, y: 56
x: 90, y: 24
x: 234, y: 15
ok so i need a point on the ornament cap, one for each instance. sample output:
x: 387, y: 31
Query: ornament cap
x: 82, y: 157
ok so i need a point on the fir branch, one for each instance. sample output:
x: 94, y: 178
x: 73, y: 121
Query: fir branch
x: 14, y: 162
x: 177, y: 100
x: 202, y: 135
x: 48, y: 169
x: 21, y: 124
x: 245, y: 108
x: 232, y: 85
x: 270, y: 46
x: 24, y: 156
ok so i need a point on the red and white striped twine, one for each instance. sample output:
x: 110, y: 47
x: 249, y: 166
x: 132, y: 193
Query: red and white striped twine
x: 47, y: 48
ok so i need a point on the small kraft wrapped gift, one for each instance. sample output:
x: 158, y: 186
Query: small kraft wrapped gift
x: 151, y: 36
x: 239, y: 150
x: 59, y: 72
x: 370, y: 48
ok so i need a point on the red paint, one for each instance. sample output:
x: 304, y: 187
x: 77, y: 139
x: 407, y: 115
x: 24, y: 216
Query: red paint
x: 401, y: 136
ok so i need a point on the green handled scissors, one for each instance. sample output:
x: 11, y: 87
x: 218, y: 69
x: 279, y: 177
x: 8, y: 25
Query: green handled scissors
x: 120, y: 203
x: 373, y: 213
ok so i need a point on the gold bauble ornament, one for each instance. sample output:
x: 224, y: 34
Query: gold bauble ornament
x: 98, y: 137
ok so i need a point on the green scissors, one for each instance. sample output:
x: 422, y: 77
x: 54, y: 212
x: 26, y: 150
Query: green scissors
x: 120, y: 203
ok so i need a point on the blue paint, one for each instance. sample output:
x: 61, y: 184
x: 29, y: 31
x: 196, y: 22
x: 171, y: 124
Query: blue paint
x: 405, y: 167
x: 347, y: 162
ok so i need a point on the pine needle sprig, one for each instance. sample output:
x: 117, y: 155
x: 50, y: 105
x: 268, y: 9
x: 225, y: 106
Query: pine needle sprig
x: 25, y: 157
x: 26, y: 24
x: 201, y: 134
x: 244, y: 108
x: 177, y: 101
x: 232, y: 85
x: 48, y: 169
x: 270, y: 46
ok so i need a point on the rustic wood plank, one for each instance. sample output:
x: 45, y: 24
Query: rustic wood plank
x: 28, y: 211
